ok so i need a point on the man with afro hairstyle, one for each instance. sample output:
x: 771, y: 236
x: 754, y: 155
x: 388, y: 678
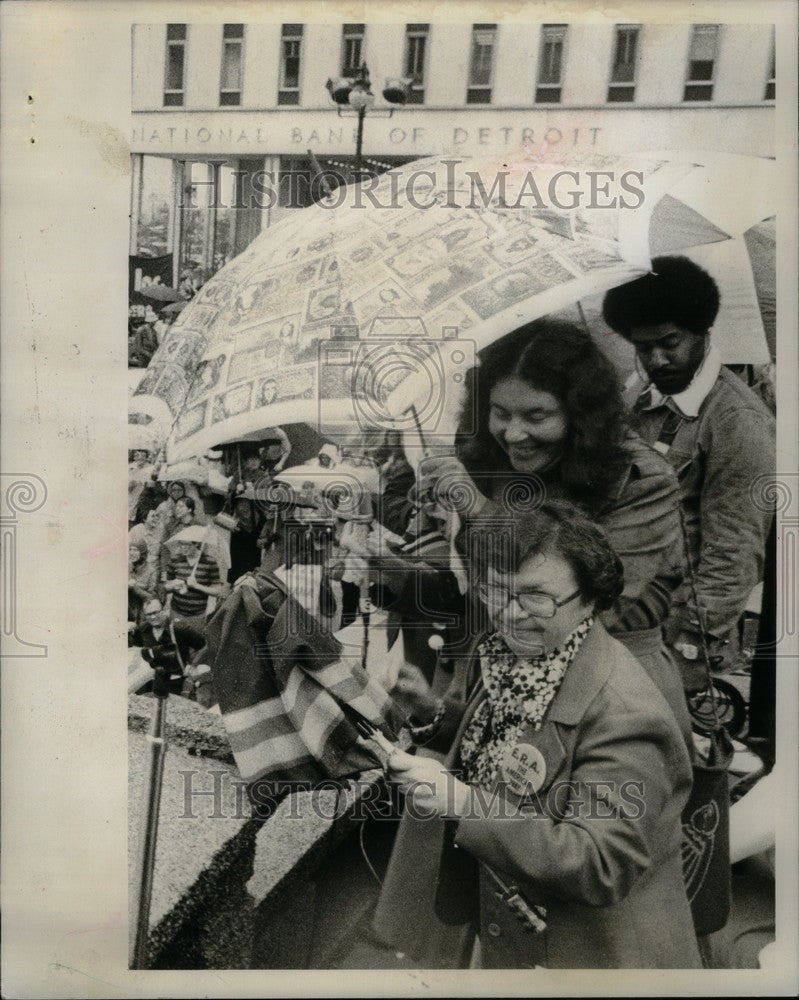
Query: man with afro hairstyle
x: 719, y: 438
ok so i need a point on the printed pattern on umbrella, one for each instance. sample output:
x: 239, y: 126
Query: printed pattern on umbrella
x: 284, y: 321
x: 477, y: 250
x: 280, y: 680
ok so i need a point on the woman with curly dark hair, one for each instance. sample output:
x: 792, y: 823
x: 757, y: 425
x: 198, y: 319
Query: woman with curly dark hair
x: 569, y: 427
x: 544, y: 420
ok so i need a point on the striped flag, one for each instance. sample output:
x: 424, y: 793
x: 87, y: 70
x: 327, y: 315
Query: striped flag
x: 280, y: 680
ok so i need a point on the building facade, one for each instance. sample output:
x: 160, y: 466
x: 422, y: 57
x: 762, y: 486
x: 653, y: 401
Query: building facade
x: 215, y: 105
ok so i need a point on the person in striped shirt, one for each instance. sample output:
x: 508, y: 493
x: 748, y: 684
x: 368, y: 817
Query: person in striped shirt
x: 191, y: 581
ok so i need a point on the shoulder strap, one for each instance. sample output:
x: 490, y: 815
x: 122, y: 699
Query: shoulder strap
x: 175, y: 644
x: 699, y: 618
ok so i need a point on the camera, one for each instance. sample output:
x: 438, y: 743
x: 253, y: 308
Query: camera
x: 164, y: 656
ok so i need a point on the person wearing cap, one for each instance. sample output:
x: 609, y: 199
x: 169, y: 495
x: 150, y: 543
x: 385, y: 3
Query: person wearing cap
x: 720, y: 439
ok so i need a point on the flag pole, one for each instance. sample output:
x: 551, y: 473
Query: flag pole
x: 154, y: 776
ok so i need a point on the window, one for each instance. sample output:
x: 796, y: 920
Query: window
x: 154, y: 213
x: 415, y: 54
x: 479, y: 90
x: 175, y: 65
x: 291, y: 44
x: 232, y: 59
x: 622, y: 74
x: 701, y: 63
x: 207, y: 216
x: 771, y: 89
x: 550, y: 68
x: 351, y: 49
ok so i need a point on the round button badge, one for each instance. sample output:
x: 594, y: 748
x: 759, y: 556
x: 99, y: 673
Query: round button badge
x: 523, y: 767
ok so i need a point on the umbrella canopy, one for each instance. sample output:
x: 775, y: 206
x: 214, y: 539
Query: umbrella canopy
x: 159, y: 293
x: 735, y: 196
x: 345, y: 313
x: 175, y: 307
x: 761, y: 245
x: 721, y: 216
x: 196, y: 533
x: 343, y: 491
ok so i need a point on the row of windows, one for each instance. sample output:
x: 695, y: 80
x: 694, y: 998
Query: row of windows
x: 702, y: 60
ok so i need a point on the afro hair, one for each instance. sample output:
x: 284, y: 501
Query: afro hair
x: 676, y: 291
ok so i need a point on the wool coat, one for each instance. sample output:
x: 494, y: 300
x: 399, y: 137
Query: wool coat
x: 598, y: 846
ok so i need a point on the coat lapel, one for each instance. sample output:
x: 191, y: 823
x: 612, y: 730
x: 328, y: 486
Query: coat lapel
x: 585, y: 676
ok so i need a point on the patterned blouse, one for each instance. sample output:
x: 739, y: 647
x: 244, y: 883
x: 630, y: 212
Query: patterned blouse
x: 519, y: 693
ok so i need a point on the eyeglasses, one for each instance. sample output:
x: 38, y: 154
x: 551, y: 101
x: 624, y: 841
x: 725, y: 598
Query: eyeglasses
x: 497, y: 598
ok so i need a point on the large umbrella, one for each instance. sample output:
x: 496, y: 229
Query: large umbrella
x: 159, y: 293
x: 721, y: 216
x: 206, y: 536
x: 175, y: 307
x: 737, y: 196
x: 195, y: 533
x: 346, y: 313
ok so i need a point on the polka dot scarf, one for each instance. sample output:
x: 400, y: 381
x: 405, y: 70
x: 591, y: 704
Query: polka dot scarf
x: 519, y: 693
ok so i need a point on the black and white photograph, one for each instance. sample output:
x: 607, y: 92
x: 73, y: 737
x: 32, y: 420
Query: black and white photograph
x: 458, y: 425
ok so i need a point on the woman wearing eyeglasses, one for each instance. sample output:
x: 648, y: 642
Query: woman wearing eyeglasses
x: 544, y: 419
x: 553, y: 826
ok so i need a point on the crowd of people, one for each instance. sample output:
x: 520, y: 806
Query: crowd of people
x: 562, y: 580
x: 149, y: 321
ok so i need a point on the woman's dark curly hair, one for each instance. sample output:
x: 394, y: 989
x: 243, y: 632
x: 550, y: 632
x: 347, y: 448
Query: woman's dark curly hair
x: 560, y: 527
x: 560, y: 358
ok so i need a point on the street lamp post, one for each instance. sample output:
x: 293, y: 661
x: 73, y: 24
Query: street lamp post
x: 361, y: 99
x: 356, y: 94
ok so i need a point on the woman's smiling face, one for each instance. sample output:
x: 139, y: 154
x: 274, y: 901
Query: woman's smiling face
x: 528, y: 424
x: 547, y: 576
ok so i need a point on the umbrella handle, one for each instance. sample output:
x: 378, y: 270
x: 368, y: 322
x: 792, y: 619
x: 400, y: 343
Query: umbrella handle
x: 419, y: 431
x: 238, y: 459
x: 203, y: 543
x: 582, y: 317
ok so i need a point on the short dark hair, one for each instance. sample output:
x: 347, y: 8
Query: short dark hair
x: 676, y: 291
x: 555, y: 526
